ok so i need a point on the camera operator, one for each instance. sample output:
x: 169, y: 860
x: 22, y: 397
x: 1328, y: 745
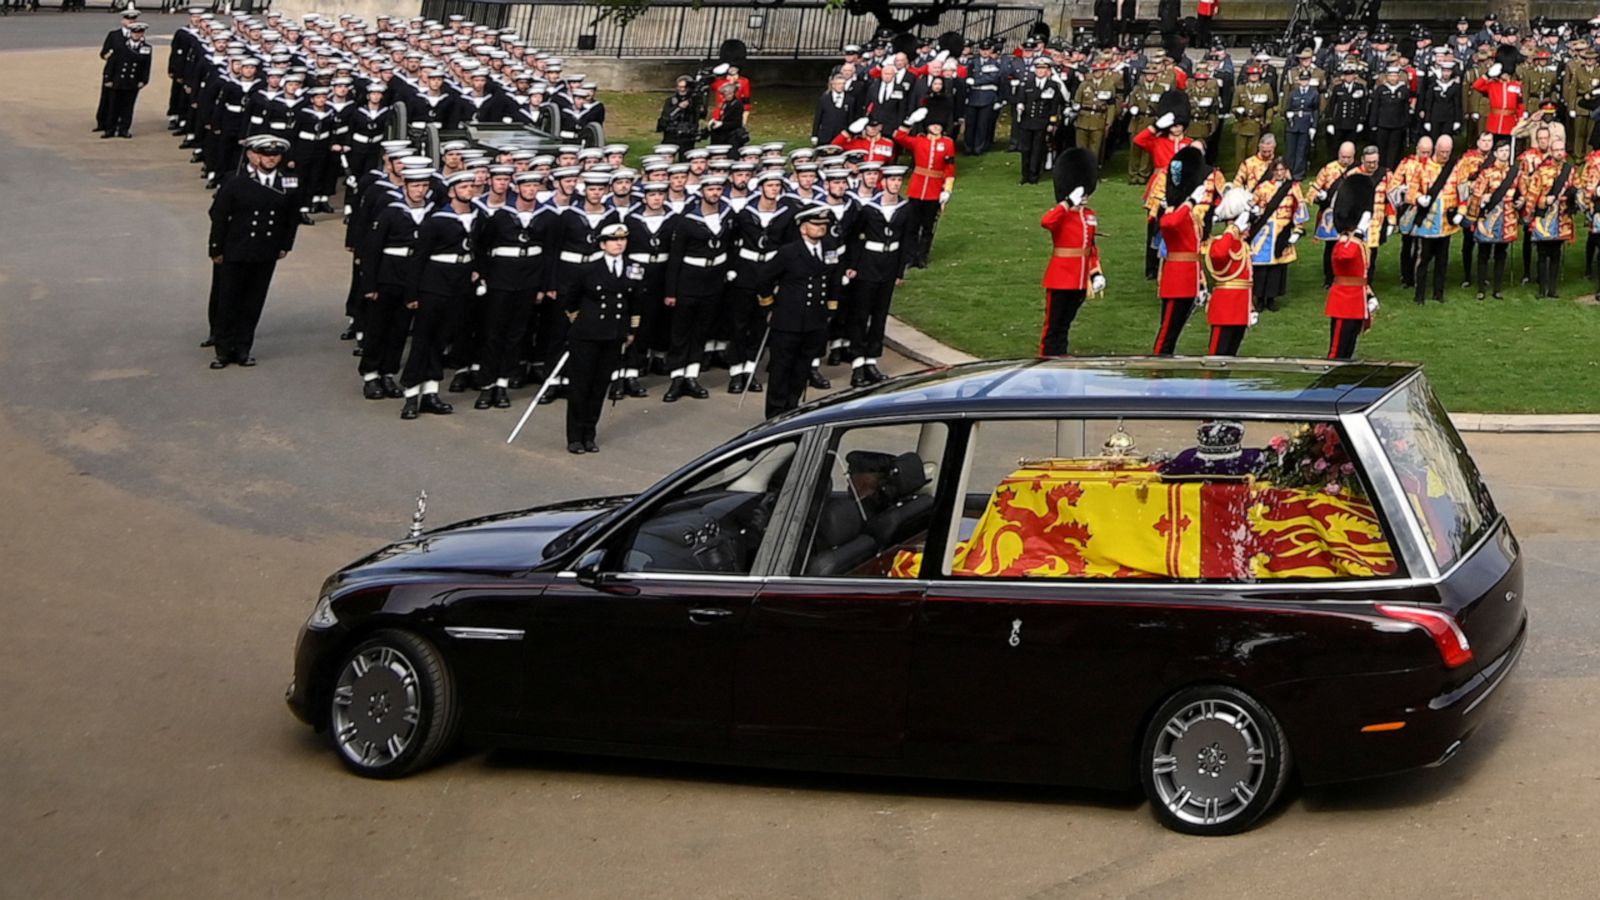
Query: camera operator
x: 679, y: 122
x: 727, y: 124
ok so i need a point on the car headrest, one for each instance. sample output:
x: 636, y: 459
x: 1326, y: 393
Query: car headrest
x: 905, y: 476
x: 839, y: 522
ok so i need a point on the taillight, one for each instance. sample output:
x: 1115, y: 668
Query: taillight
x: 1447, y: 635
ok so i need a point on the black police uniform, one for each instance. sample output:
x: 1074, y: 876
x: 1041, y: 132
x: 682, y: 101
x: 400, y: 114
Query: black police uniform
x: 253, y: 223
x: 804, y: 280
x: 601, y: 309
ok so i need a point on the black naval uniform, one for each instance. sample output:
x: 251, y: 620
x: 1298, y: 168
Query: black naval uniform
x: 518, y: 248
x: 253, y: 224
x: 649, y: 238
x: 577, y: 236
x: 697, y: 273
x: 1038, y: 108
x: 804, y: 282
x: 759, y: 235
x: 385, y: 253
x: 876, y: 254
x: 441, y: 285
x: 844, y: 223
x: 600, y: 309
x: 127, y: 70
x: 102, y: 112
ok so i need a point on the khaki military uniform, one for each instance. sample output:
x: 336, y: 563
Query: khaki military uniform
x: 1539, y: 83
x: 1205, y: 105
x: 1474, y: 105
x: 1583, y: 77
x: 1142, y: 114
x: 1253, y: 103
x: 1098, y: 101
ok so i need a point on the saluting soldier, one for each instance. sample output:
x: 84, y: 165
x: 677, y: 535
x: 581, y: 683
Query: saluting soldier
x: 1097, y: 99
x: 1074, y: 267
x: 1506, y: 101
x: 437, y: 289
x: 385, y: 252
x: 1182, y: 282
x: 602, y: 315
x: 1351, y: 303
x: 253, y: 225
x: 127, y: 71
x: 1253, y: 103
x: 932, y: 182
x: 800, y: 294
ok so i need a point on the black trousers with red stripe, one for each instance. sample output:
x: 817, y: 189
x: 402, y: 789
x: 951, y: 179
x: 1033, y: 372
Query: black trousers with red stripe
x: 1060, y: 308
x: 1342, y: 335
x: 1225, y: 340
x: 1174, y: 315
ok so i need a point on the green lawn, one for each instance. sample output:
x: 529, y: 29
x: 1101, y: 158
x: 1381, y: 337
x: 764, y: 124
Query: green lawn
x: 981, y: 292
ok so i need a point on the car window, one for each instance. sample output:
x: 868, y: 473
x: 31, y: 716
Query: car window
x: 716, y: 522
x: 1438, y: 476
x: 1163, y: 500
x: 874, y: 502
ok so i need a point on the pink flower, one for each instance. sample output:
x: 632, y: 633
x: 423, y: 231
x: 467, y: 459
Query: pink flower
x: 1332, y: 488
x: 1320, y: 465
x: 1347, y: 469
x: 1278, y: 443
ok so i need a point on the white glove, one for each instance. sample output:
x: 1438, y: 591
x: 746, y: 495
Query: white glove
x: 1019, y: 110
x: 1572, y: 114
x: 1097, y: 283
x: 941, y: 56
x: 1254, y: 317
x: 1200, y: 193
x: 1243, y: 222
x: 720, y: 70
x: 1423, y: 201
x: 969, y: 81
x: 1330, y: 129
x: 1076, y: 197
x: 483, y: 288
x: 944, y: 196
x: 1133, y: 111
x: 1495, y: 70
x: 1458, y: 127
x: 1360, y: 128
x: 732, y: 275
x: 351, y: 181
x: 1238, y: 110
x: 1166, y: 121
x: 1364, y: 224
x: 1322, y: 195
x: 1372, y: 304
x: 1202, y: 298
x: 1427, y: 126
x: 917, y: 115
x: 813, y: 142
x: 1294, y: 238
x: 858, y: 125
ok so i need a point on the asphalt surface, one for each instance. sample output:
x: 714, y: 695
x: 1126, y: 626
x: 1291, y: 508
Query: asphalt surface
x: 166, y: 526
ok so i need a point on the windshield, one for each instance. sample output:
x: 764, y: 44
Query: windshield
x: 1439, y: 478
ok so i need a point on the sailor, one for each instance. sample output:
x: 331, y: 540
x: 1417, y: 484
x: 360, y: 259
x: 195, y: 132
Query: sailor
x: 602, y: 317
x: 649, y: 238
x: 517, y: 247
x: 385, y: 252
x: 874, y: 265
x: 1074, y: 268
x: 116, y: 37
x: 439, y: 285
x: 1351, y: 303
x: 697, y: 276
x: 759, y: 230
x: 799, y: 294
x: 127, y: 71
x: 253, y: 225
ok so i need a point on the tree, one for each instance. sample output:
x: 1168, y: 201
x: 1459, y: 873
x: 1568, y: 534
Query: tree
x: 625, y: 11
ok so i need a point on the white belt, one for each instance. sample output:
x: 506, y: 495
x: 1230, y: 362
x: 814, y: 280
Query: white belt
x: 278, y: 126
x: 312, y: 136
x: 986, y: 87
x: 647, y: 258
x: 515, y: 252
x: 230, y: 107
x: 753, y: 256
x: 880, y: 247
x: 364, y: 138
x: 450, y: 258
x: 256, y: 120
x: 569, y: 256
x: 705, y: 262
x: 399, y: 251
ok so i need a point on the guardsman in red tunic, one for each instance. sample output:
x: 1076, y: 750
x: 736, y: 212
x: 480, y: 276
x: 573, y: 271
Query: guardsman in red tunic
x: 866, y: 134
x: 1230, y: 311
x: 1162, y: 141
x: 1181, y: 280
x: 1506, y: 102
x: 933, y: 179
x: 1351, y: 303
x: 1074, y: 267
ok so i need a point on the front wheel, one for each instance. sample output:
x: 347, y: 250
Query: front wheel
x: 1213, y: 761
x: 393, y: 709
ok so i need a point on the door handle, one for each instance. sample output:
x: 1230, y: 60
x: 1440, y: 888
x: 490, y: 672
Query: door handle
x: 702, y: 615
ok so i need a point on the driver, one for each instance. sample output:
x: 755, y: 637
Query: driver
x: 867, y: 471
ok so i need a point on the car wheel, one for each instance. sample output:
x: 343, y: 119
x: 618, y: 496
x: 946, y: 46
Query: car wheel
x: 1213, y: 761
x: 393, y: 707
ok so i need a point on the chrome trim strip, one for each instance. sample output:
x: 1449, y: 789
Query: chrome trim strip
x: 1391, y: 497
x: 485, y: 634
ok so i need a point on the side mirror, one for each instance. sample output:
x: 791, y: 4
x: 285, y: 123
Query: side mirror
x: 588, y: 568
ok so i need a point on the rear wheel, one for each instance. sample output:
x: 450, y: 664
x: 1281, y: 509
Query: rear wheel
x: 1213, y: 761
x: 393, y: 707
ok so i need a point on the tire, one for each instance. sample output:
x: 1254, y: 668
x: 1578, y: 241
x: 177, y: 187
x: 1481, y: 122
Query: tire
x: 393, y: 708
x: 1213, y: 761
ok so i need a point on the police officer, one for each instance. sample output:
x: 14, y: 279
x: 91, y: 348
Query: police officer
x: 602, y: 319
x: 127, y: 71
x: 253, y: 225
x: 800, y: 294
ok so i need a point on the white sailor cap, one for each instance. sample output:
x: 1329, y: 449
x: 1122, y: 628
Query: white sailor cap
x: 454, y: 146
x: 412, y: 161
x: 566, y: 172
x: 611, y: 149
x: 593, y: 179
x: 665, y: 149
x: 895, y: 171
x: 502, y: 170
x: 713, y: 181
x: 678, y: 169
x: 719, y: 149
x: 624, y: 174
x: 769, y: 175
x: 525, y: 177
x: 568, y: 150
x: 417, y: 173
x: 544, y: 159
x: 836, y: 174
x: 477, y: 163
x: 591, y: 153
x: 655, y: 187
x: 700, y: 153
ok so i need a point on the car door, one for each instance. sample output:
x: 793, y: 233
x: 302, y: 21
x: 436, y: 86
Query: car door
x: 636, y: 644
x: 826, y: 651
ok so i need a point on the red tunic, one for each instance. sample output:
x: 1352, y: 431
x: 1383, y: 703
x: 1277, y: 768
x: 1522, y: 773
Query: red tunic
x: 1075, y: 258
x: 743, y: 93
x: 879, y: 150
x: 1228, y: 260
x: 1162, y: 148
x: 1180, y: 271
x: 933, y: 163
x: 1505, y: 104
x: 1206, y: 8
x: 1347, y: 299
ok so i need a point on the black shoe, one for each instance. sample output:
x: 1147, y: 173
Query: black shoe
x: 737, y: 383
x: 1419, y: 301
x: 691, y: 386
x: 124, y: 134
x: 816, y: 379
x: 322, y: 206
x: 434, y: 406
x: 357, y: 350
x: 391, y: 388
x: 247, y: 362
x: 549, y: 396
x: 518, y: 379
x: 461, y: 381
x: 874, y: 374
x: 219, y: 363
x: 500, y: 399
x: 349, y: 334
x: 536, y: 373
x: 485, y: 399
x: 106, y: 135
x: 752, y: 385
x: 372, y: 390
x: 633, y: 388
x: 409, y: 411
x: 591, y: 447
x: 208, y: 342
x: 305, y: 218
x: 575, y: 447
x: 674, y: 391
x: 614, y: 393
x: 1438, y: 298
x: 859, y: 377
x: 833, y: 357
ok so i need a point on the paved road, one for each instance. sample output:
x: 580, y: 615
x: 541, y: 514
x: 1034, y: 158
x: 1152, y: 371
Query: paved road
x: 166, y: 527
